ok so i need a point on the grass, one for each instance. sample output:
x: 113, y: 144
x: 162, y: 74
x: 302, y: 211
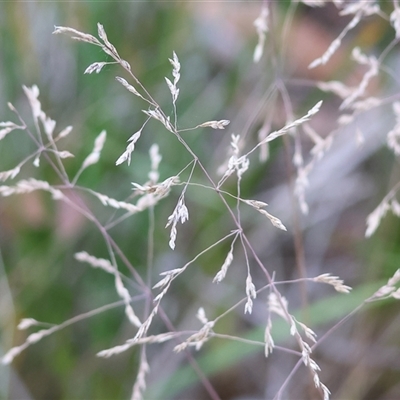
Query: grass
x: 143, y: 234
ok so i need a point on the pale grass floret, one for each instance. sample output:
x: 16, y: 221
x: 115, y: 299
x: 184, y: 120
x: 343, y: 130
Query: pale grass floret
x: 259, y: 205
x: 126, y: 155
x: 274, y: 220
x: 168, y: 277
x: 349, y: 95
x: 287, y: 128
x: 321, y: 3
x: 140, y: 335
x: 393, y: 137
x: 331, y: 49
x: 359, y: 10
x: 155, y: 159
x: 224, y: 269
x: 77, y: 35
x: 197, y: 339
x: 152, y: 191
x: 235, y: 163
x: 150, y: 339
x: 389, y: 202
x: 261, y: 24
x: 26, y: 323
x: 255, y: 204
x: 63, y: 154
x: 374, y: 219
x: 8, y: 127
x: 241, y: 164
x: 336, y: 87
x: 334, y: 281
x: 36, y: 161
x: 307, y: 360
x: 251, y: 294
x: 373, y: 64
x: 201, y: 315
x: 396, y: 294
x: 345, y: 119
x: 278, y: 306
x: 148, y: 200
x: 298, y: 160
x: 95, y: 67
x: 315, y: 3
x: 124, y: 294
x: 106, y: 46
x: 395, y: 278
x: 235, y: 152
x: 383, y: 292
x: 115, y: 350
x: 159, y: 116
x: 32, y: 94
x: 221, y: 124
x: 366, y: 8
x: 106, y: 266
x: 176, y: 66
x: 48, y: 125
x: 31, y: 339
x: 321, y: 145
x: 129, y: 87
x: 65, y: 132
x: 366, y: 104
x: 269, y: 341
x: 181, y: 214
x: 103, y: 36
x: 95, y: 262
x: 160, y: 189
x: 164, y: 284
x: 140, y: 384
x: 30, y: 185
x: 308, y: 331
x: 264, y: 148
x: 10, y: 174
x: 110, y: 202
x: 94, y: 156
x: 395, y: 19
x: 388, y: 290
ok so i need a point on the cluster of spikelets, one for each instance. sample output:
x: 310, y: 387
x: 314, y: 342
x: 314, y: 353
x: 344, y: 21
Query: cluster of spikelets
x: 48, y: 139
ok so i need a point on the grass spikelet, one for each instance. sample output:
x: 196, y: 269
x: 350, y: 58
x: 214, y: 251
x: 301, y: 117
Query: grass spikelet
x: 261, y: 24
x: 334, y: 281
x: 228, y: 261
x: 8, y: 127
x: 10, y: 174
x: 181, y: 214
x: 76, y: 35
x: 250, y: 294
x: 95, y: 262
x: 126, y: 155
